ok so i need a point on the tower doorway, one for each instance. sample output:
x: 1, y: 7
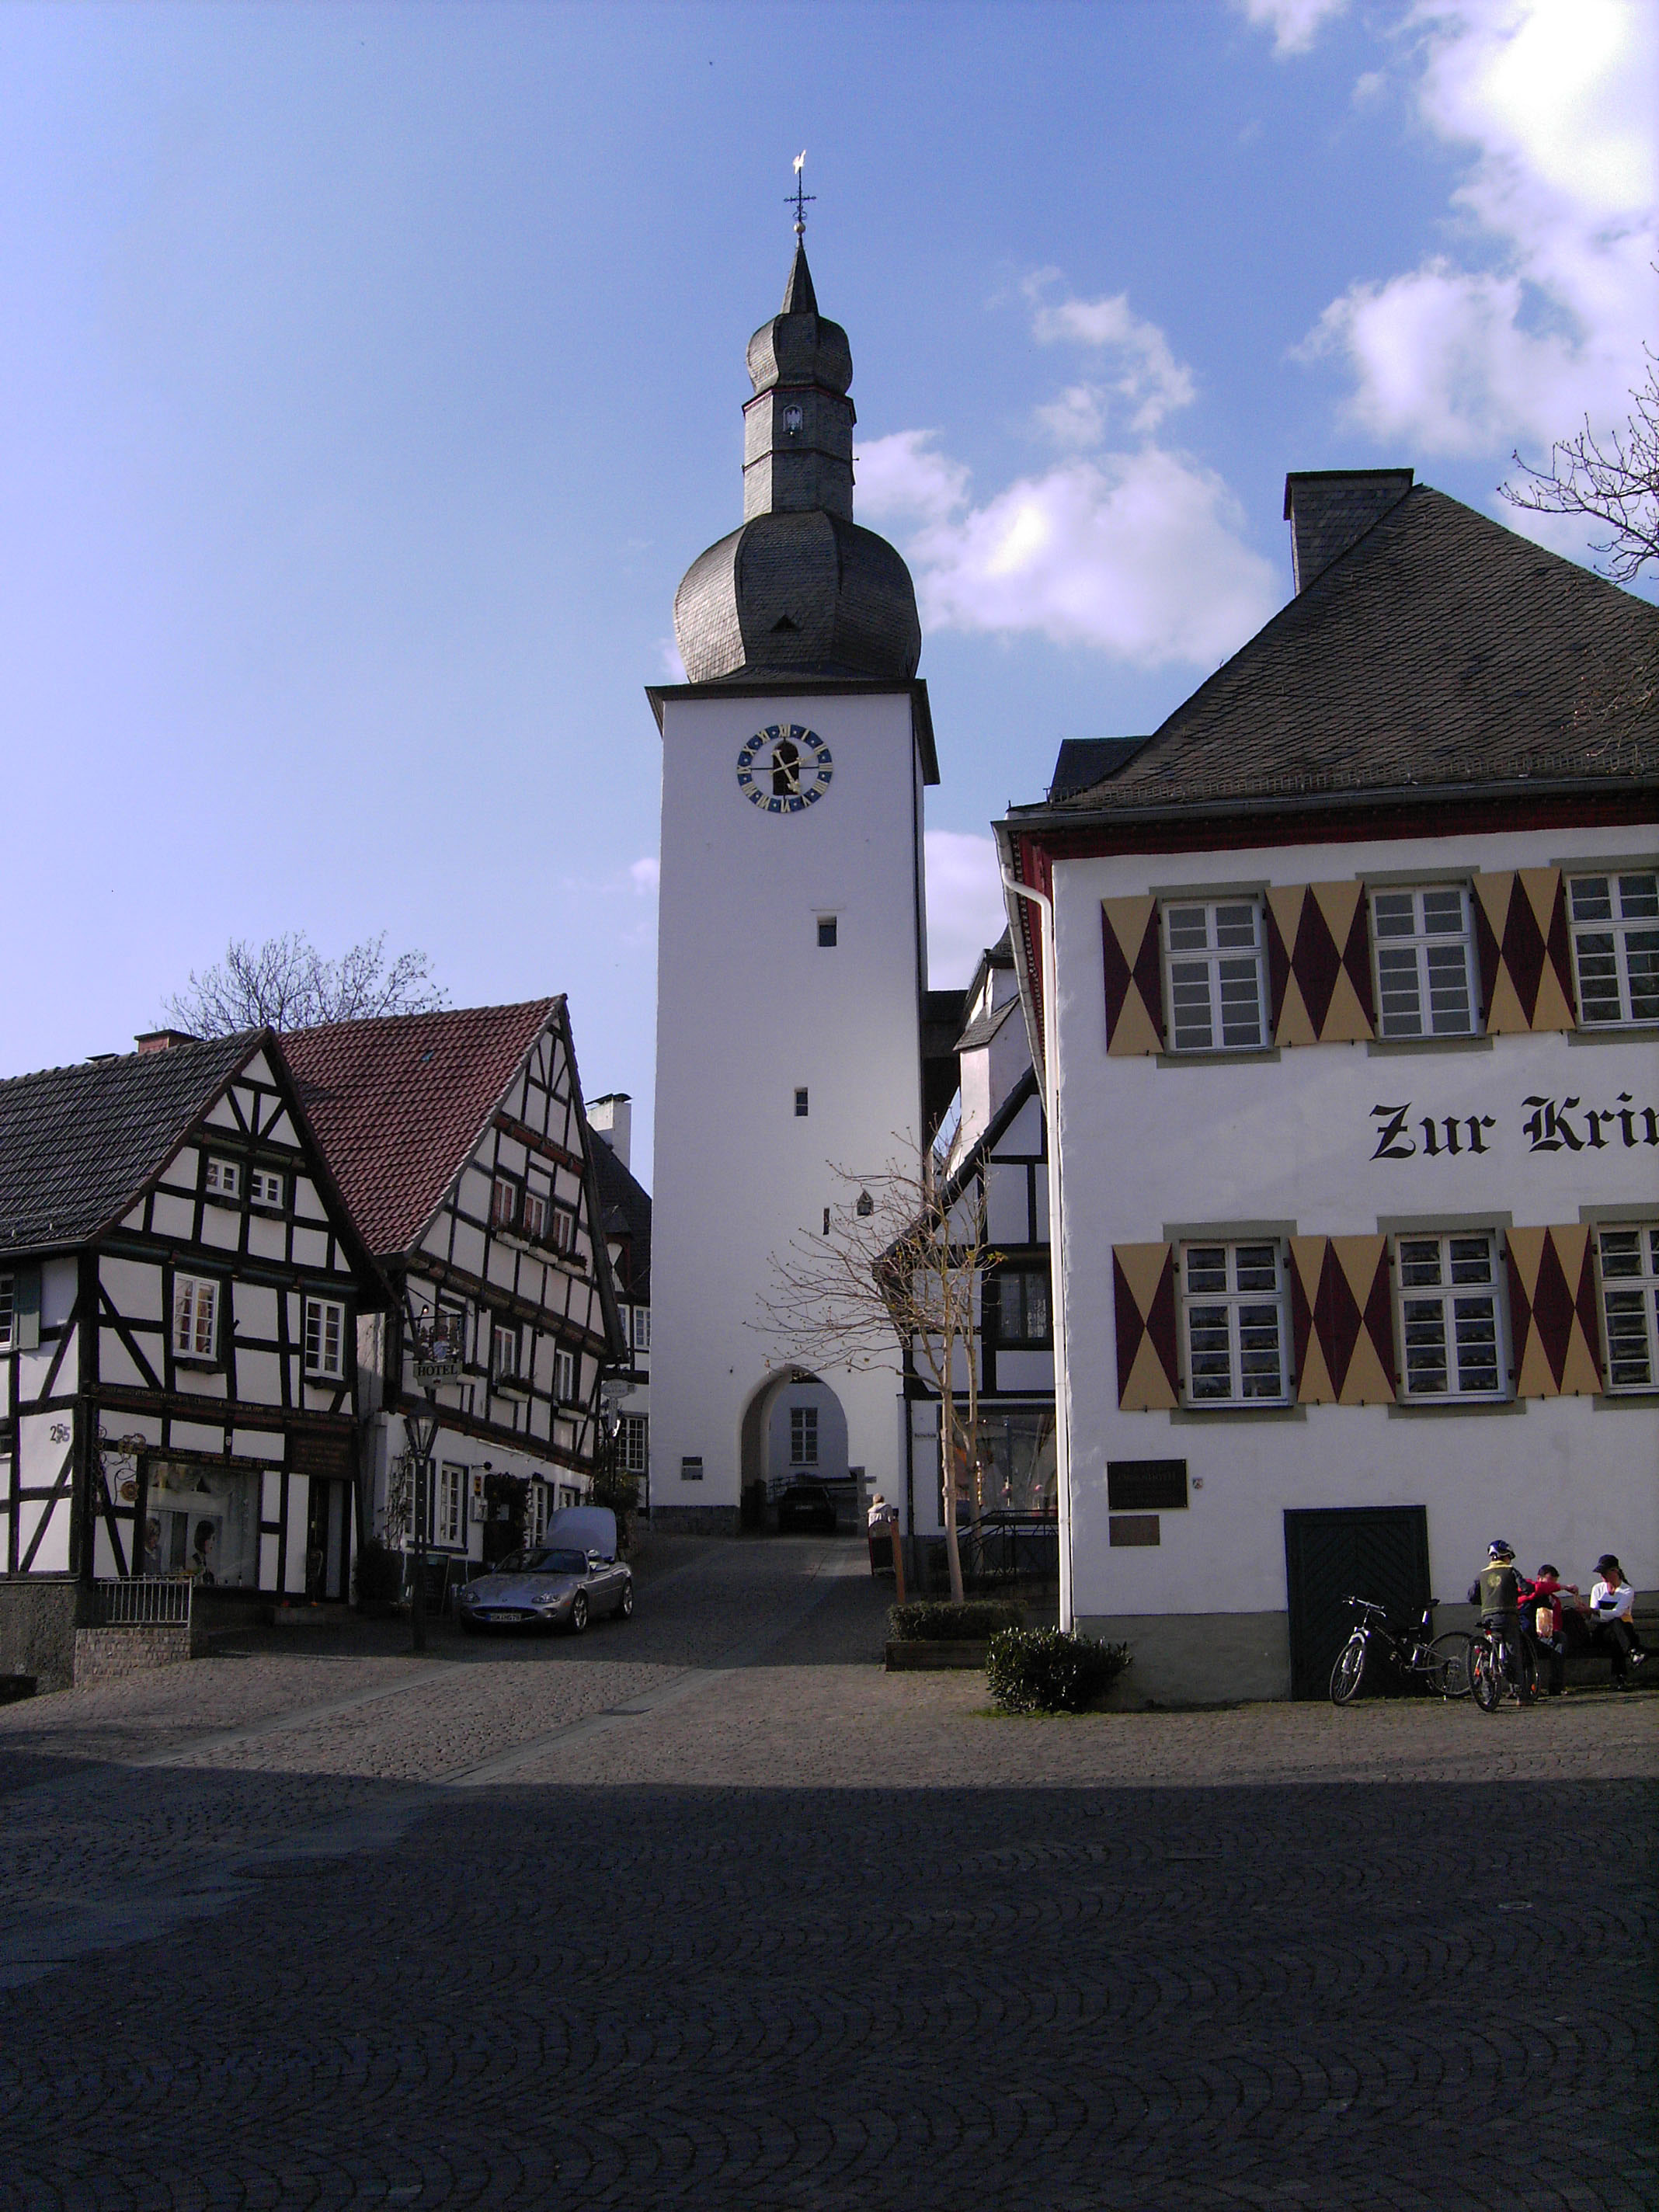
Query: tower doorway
x: 795, y: 1433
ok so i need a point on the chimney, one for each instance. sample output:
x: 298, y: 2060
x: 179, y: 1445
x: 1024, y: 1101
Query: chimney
x: 163, y: 1040
x: 613, y: 1117
x: 1331, y: 509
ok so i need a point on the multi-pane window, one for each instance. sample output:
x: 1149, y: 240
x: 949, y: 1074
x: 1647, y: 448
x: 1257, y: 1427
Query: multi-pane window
x: 8, y: 1306
x: 562, y: 1227
x: 1233, y: 1308
x: 1425, y: 962
x: 641, y: 1328
x: 800, y: 1105
x: 1213, y: 958
x: 326, y: 1325
x: 631, y: 1443
x: 265, y: 1186
x: 503, y: 1203
x: 564, y: 1377
x: 449, y: 1506
x: 535, y: 1215
x: 803, y: 1436
x: 1615, y: 946
x: 1630, y: 1306
x: 195, y: 1317
x: 1021, y: 1305
x: 503, y: 1353
x: 224, y: 1178
x: 1448, y: 1316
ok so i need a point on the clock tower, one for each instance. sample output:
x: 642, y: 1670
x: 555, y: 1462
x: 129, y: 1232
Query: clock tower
x: 791, y: 958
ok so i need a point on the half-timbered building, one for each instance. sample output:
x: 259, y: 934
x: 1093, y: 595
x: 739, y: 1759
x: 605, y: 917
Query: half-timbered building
x: 180, y: 1289
x: 626, y: 1217
x: 461, y: 1145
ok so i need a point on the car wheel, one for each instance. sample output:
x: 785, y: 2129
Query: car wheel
x: 578, y: 1614
x: 625, y: 1604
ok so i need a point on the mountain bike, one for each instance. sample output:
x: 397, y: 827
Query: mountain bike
x: 1415, y: 1657
x: 1489, y: 1678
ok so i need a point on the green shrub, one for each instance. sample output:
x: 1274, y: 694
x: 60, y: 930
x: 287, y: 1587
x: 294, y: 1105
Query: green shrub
x: 926, y: 1622
x: 1040, y: 1670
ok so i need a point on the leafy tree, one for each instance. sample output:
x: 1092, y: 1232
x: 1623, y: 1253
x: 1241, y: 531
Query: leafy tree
x: 1612, y: 480
x: 288, y: 984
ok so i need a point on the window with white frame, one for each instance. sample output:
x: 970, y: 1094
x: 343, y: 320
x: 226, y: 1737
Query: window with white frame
x: 564, y: 1376
x: 224, y: 1178
x: 1630, y: 1306
x: 563, y: 1225
x: 503, y: 1203
x: 1615, y: 945
x: 1450, y: 1322
x: 449, y: 1506
x: 536, y: 1506
x: 535, y: 1215
x: 8, y: 1307
x: 1233, y: 1312
x: 631, y: 1443
x: 325, y: 1336
x: 1213, y: 976
x: 195, y: 1317
x: 1424, y: 943
x: 803, y: 1436
x: 503, y: 1353
x: 266, y: 1186
x: 641, y: 1328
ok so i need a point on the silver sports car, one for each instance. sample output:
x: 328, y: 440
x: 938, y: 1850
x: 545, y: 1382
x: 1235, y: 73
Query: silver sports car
x: 557, y: 1587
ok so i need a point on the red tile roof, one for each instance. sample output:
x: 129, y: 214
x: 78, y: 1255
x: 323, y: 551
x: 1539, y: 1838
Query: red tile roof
x: 400, y: 1104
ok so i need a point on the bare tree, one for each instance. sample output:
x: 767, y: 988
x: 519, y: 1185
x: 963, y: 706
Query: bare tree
x: 894, y: 1275
x: 1613, y: 480
x: 288, y: 984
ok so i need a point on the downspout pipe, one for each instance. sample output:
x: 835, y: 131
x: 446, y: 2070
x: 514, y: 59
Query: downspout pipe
x: 1051, y: 1110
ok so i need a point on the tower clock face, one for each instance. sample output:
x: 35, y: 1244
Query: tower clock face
x: 784, y: 770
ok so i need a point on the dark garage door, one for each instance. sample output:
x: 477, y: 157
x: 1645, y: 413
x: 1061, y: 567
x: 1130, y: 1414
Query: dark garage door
x: 1378, y: 1552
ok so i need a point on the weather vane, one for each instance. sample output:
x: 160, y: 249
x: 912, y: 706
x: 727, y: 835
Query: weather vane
x: 798, y: 199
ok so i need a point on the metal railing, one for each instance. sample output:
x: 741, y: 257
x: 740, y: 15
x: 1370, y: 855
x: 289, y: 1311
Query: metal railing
x: 1008, y: 1547
x: 143, y: 1602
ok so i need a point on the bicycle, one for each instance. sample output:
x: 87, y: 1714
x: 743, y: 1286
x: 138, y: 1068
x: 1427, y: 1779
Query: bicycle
x: 1489, y: 1678
x: 1417, y: 1657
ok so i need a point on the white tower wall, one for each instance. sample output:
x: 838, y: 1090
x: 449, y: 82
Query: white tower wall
x: 751, y: 1008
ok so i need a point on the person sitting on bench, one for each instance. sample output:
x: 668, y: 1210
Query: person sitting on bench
x: 1610, y: 1601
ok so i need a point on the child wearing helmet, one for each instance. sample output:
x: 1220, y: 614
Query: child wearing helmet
x: 1497, y: 1590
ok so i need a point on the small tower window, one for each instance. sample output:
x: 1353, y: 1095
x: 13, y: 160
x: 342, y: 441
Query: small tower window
x: 826, y: 929
x: 793, y: 420
x: 800, y: 1104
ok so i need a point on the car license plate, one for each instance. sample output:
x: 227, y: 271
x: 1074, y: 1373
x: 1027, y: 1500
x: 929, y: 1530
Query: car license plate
x: 505, y: 1613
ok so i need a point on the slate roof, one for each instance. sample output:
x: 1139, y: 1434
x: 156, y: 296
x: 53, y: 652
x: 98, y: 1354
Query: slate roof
x: 1440, y: 650
x: 1081, y: 762
x: 398, y: 1104
x: 625, y: 1209
x: 984, y: 1027
x: 77, y: 1145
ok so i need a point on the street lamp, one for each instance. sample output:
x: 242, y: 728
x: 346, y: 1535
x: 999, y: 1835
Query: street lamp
x: 422, y: 1430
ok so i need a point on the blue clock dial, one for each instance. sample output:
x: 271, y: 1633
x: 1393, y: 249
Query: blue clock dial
x: 784, y: 769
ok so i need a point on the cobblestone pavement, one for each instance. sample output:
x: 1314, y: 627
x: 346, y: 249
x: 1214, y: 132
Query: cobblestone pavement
x: 706, y: 1910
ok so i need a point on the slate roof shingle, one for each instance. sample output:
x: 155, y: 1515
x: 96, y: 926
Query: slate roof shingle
x: 625, y: 1209
x: 78, y: 1143
x: 1441, y: 649
x: 398, y: 1104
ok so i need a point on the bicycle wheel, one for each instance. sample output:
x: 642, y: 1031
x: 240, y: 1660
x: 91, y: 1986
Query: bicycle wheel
x: 1349, y: 1671
x: 1486, y: 1677
x: 1449, y: 1663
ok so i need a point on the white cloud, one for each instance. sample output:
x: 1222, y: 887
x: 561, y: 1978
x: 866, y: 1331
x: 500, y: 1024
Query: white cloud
x: 1542, y: 322
x: 645, y: 875
x: 1140, y: 555
x: 1294, y: 23
x: 965, y: 904
x: 672, y: 667
x: 1149, y: 378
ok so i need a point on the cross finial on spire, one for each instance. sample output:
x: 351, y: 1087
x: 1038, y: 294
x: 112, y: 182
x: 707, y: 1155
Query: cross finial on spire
x: 800, y: 197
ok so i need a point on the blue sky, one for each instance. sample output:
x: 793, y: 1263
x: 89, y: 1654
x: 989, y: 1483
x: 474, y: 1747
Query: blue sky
x: 369, y: 375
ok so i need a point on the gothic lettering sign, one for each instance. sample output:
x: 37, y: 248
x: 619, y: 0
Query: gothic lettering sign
x: 1544, y: 1125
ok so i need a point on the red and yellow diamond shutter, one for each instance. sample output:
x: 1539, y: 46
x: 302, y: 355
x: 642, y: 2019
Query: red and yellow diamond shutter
x: 1144, y: 1300
x: 1525, y: 950
x: 1134, y: 975
x: 1342, y: 1321
x: 1319, y: 963
x: 1553, y: 1331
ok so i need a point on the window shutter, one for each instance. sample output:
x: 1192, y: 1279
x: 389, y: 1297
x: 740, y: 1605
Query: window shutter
x: 1134, y: 976
x: 26, y: 1309
x: 1526, y: 959
x: 1319, y: 963
x: 1342, y: 1321
x: 1553, y: 1329
x: 1148, y: 1369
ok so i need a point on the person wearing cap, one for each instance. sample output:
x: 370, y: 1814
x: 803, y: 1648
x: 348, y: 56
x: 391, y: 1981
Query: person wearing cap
x: 1497, y: 1590
x: 1610, y: 1601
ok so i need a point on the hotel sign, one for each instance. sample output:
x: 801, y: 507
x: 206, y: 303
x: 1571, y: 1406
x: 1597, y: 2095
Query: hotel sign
x: 1549, y: 1125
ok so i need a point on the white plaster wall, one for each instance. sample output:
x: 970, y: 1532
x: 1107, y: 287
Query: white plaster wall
x: 1149, y: 1150
x: 749, y: 1007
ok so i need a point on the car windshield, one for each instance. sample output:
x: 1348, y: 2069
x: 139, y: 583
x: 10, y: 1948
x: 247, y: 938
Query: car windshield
x: 558, y: 1562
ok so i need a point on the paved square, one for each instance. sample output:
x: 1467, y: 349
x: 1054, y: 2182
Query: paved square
x: 708, y: 1910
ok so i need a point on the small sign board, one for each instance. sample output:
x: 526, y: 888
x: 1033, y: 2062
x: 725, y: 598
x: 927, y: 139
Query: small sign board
x: 430, y: 1371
